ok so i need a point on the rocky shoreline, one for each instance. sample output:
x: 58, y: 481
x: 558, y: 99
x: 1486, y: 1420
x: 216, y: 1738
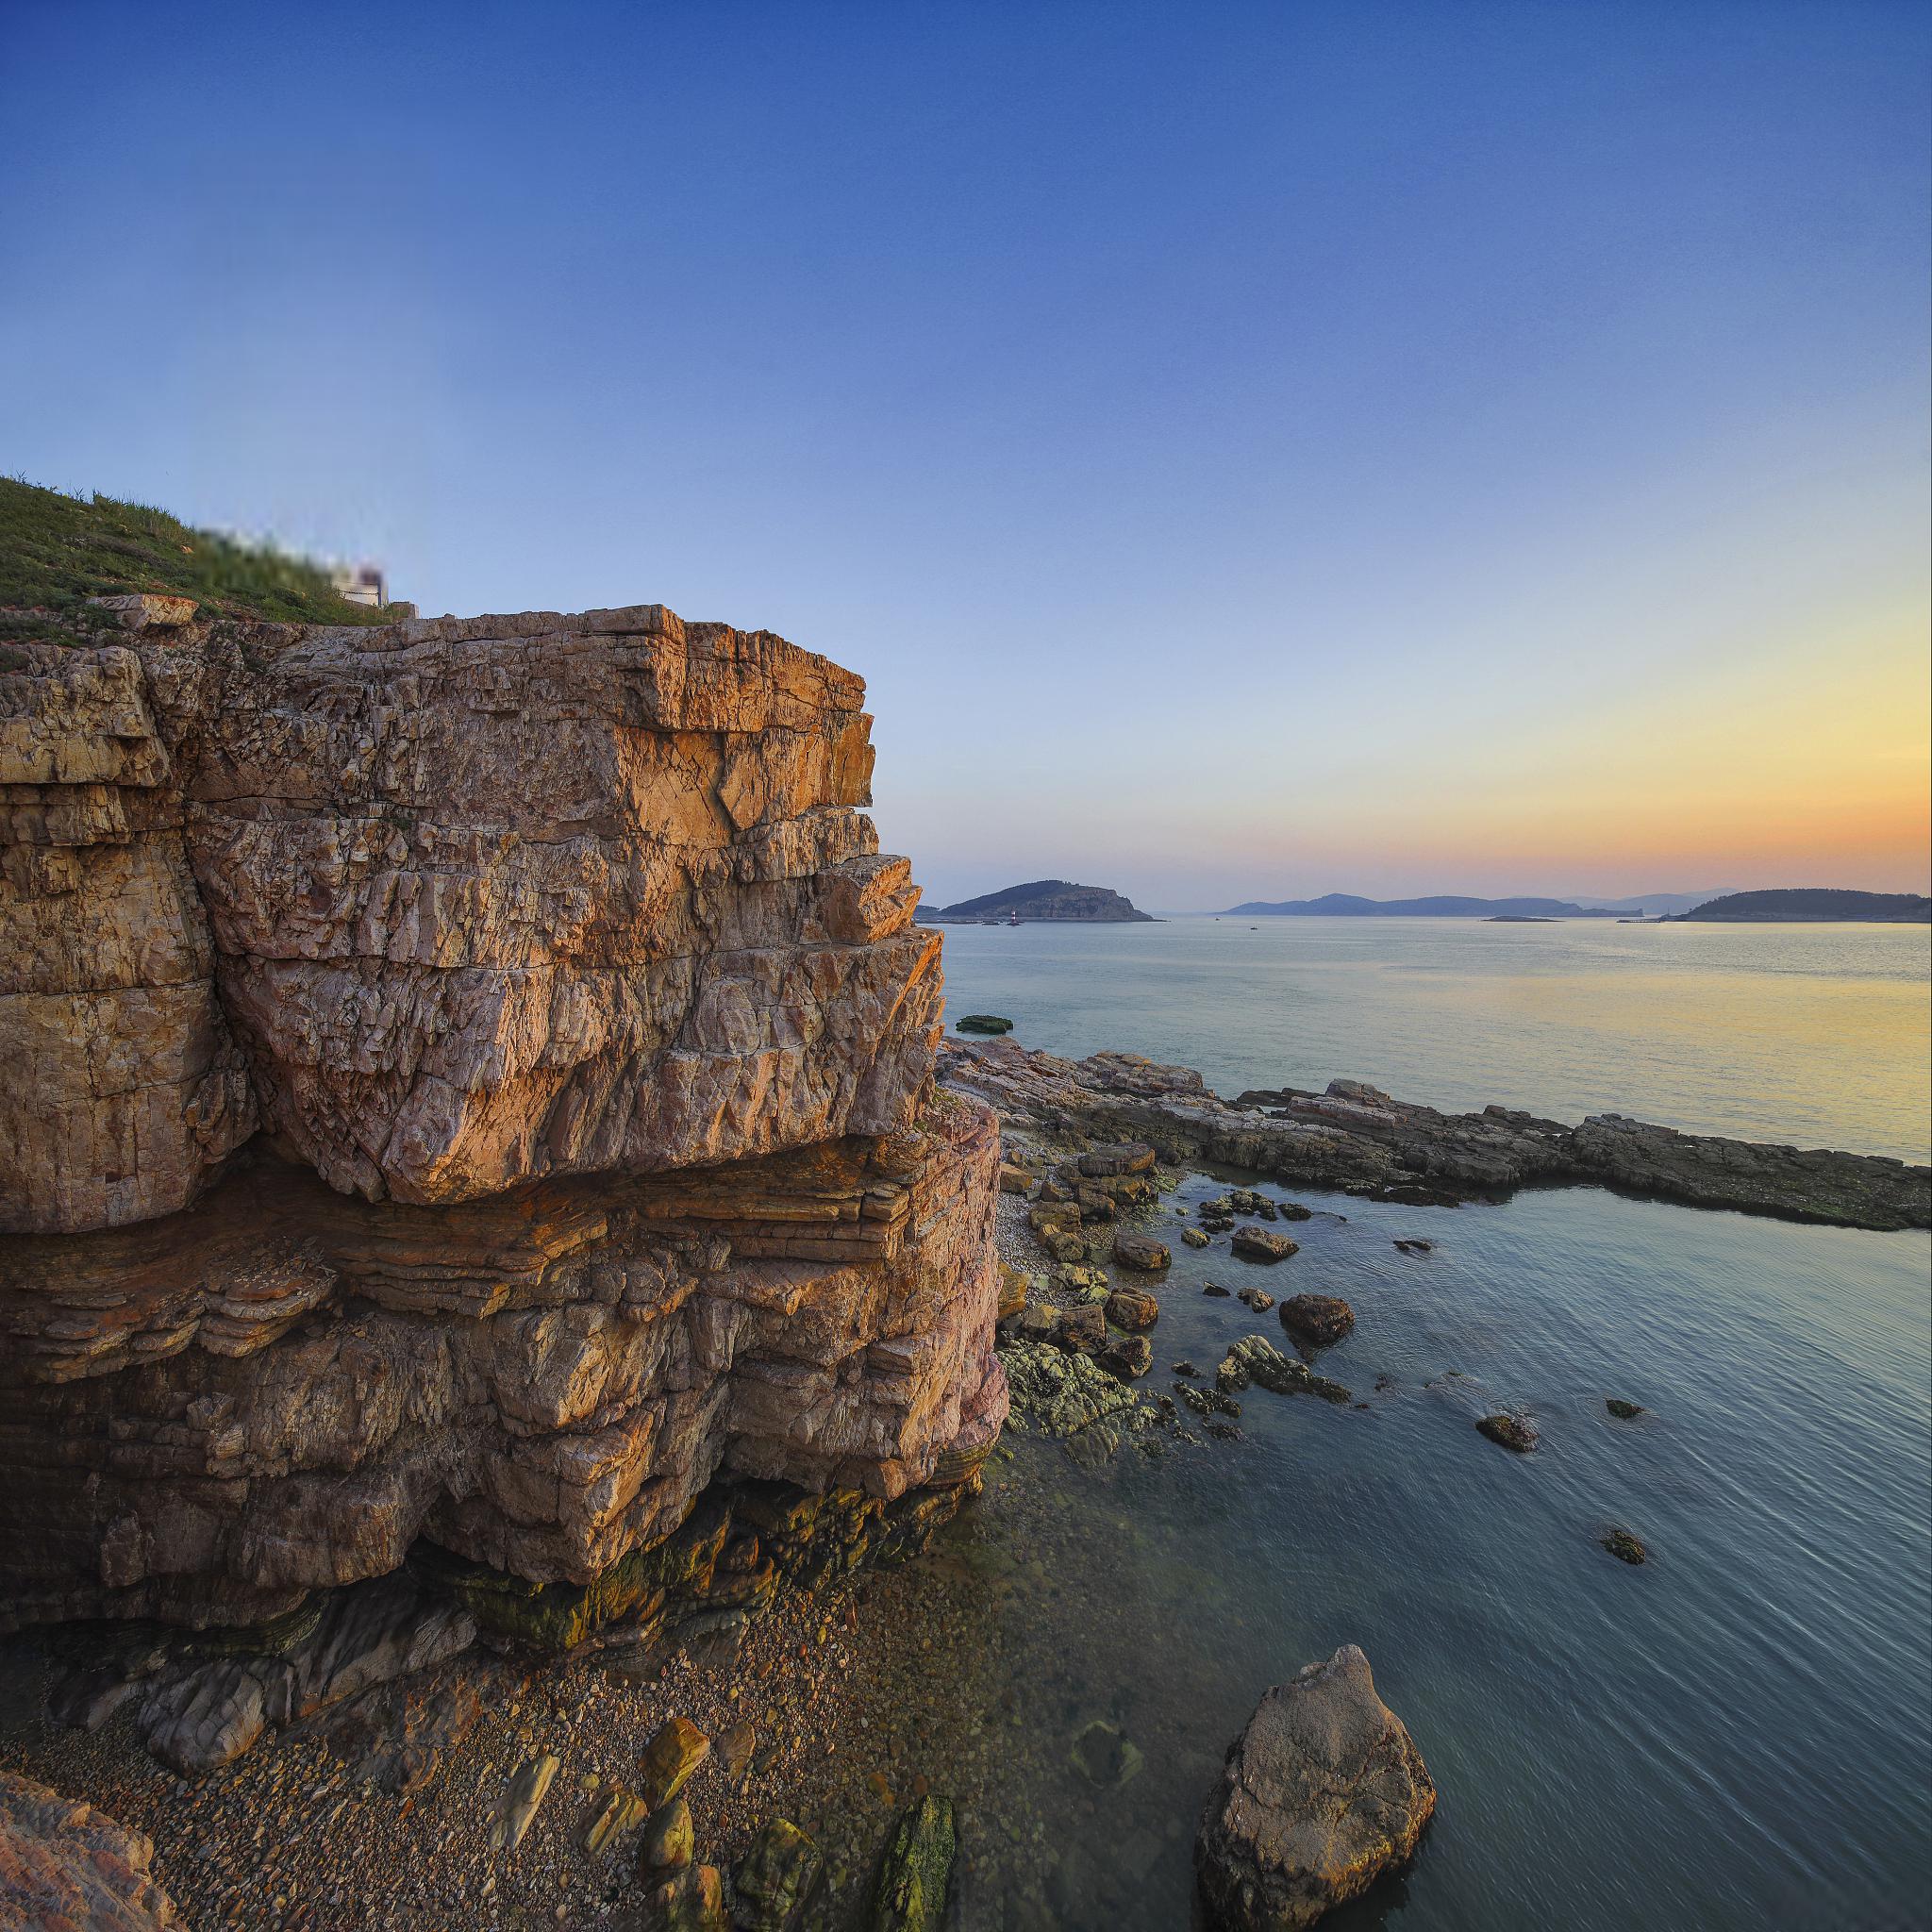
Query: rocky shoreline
x: 1355, y: 1138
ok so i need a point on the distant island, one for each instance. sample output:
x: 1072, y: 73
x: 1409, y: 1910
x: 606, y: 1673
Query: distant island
x: 1044, y: 899
x: 1814, y: 905
x: 1443, y: 906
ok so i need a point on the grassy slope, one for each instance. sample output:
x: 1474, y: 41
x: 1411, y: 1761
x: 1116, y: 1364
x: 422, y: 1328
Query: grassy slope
x: 56, y: 552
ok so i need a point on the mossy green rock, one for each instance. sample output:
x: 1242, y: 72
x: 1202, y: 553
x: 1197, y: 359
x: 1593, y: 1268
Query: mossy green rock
x: 910, y: 1894
x: 677, y: 1747
x: 669, y: 1842
x: 775, y: 1879
x: 982, y: 1023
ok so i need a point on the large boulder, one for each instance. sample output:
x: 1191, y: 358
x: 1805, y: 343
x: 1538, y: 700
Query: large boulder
x: 1322, y: 1791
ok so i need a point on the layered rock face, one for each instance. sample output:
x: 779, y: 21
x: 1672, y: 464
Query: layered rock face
x: 468, y: 1080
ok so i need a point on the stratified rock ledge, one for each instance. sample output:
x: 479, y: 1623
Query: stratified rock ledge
x: 1357, y: 1140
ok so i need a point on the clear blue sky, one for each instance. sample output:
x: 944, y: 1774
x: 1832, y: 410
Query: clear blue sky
x: 1249, y: 451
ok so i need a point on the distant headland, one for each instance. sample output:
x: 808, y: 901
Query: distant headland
x: 1441, y: 906
x: 1814, y: 905
x: 1057, y: 899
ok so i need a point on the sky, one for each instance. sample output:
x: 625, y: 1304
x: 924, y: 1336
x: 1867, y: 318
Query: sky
x: 1249, y: 451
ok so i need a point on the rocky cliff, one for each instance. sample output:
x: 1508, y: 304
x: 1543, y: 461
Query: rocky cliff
x: 463, y: 1084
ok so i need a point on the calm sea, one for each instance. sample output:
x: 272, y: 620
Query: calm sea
x: 1736, y: 1734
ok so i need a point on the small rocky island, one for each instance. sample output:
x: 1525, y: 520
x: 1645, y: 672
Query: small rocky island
x: 1045, y: 899
x: 1811, y: 905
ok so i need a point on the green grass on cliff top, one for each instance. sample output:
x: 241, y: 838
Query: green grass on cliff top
x: 57, y: 551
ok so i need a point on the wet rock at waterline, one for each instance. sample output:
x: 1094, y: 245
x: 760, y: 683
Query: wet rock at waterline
x: 1623, y: 1546
x: 1513, y: 1431
x: 1257, y: 1244
x: 1318, y: 1320
x: 1142, y: 1251
x: 1133, y: 1309
x: 1624, y: 1411
x: 1321, y: 1794
x: 991, y: 1025
x: 1195, y: 1238
x: 1127, y: 1357
x: 1257, y: 1299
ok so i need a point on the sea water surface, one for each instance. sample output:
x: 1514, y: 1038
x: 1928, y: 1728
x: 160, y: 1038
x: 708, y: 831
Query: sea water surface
x: 1736, y: 1735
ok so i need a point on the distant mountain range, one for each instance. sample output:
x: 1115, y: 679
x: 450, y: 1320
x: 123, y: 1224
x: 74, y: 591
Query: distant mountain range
x: 1655, y: 904
x: 1815, y: 904
x: 1045, y: 899
x: 1440, y: 906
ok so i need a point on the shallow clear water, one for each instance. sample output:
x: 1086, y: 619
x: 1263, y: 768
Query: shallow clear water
x: 1738, y: 1734
x: 1815, y: 1033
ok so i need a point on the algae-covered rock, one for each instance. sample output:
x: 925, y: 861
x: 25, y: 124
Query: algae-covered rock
x: 692, y: 1900
x: 1255, y: 1358
x: 1512, y: 1431
x: 677, y: 1747
x: 1622, y: 1545
x: 1128, y: 1358
x: 1317, y: 1319
x: 1623, y: 1410
x: 982, y: 1023
x: 668, y: 1844
x: 1103, y: 1755
x: 910, y: 1894
x: 774, y: 1880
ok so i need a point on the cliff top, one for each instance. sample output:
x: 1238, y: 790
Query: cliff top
x: 57, y: 551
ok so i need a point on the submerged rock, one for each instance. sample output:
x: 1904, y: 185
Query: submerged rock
x: 692, y: 1900
x: 1513, y: 1431
x: 1257, y: 1244
x: 1623, y: 1546
x: 773, y: 1882
x: 1317, y: 1319
x: 915, y: 1875
x: 518, y: 1804
x: 1623, y: 1410
x: 1103, y: 1755
x: 677, y: 1747
x: 669, y: 1842
x: 1321, y: 1792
